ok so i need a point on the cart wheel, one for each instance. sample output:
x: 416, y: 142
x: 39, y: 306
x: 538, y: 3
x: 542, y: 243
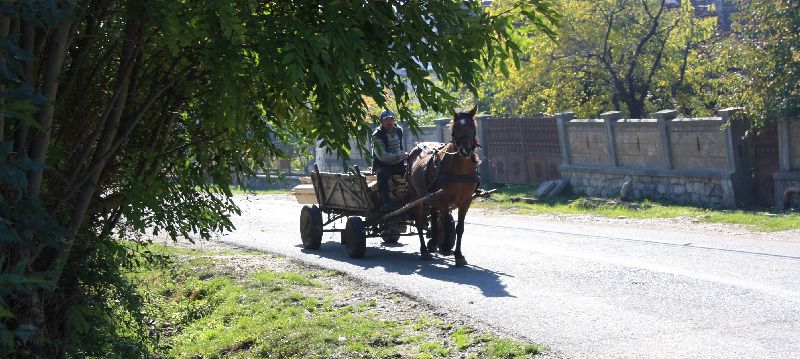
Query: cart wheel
x: 311, y: 227
x: 392, y: 234
x: 446, y: 233
x: 354, y: 237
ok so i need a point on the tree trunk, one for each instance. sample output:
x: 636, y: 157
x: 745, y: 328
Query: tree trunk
x: 23, y: 128
x: 52, y: 70
x: 5, y: 27
x: 635, y: 107
x: 33, y: 313
x: 104, y: 146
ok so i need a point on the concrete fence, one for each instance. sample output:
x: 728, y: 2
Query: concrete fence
x: 439, y: 132
x: 788, y: 174
x: 699, y: 161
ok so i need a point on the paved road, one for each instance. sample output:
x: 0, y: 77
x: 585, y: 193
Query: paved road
x: 584, y: 290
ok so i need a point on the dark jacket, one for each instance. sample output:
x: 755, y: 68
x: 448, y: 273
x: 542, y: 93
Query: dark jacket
x: 381, y: 135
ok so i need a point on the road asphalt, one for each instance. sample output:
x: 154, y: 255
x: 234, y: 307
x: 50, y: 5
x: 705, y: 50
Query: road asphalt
x: 584, y: 290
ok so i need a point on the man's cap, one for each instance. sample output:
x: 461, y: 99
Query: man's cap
x: 387, y: 114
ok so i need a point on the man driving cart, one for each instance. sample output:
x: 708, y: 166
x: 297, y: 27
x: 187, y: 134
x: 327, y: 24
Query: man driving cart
x: 388, y: 155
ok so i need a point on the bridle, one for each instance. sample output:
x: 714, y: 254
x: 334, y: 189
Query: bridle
x: 458, y: 140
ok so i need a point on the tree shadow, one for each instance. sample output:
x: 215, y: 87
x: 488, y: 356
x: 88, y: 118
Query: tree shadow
x: 407, y: 263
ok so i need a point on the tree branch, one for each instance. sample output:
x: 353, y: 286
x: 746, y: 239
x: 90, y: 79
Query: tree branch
x: 684, y: 60
x: 59, y: 42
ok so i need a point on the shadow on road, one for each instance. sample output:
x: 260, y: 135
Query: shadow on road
x: 407, y: 263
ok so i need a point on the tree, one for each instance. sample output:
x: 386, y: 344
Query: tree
x: 633, y: 55
x: 121, y: 118
x: 761, y: 60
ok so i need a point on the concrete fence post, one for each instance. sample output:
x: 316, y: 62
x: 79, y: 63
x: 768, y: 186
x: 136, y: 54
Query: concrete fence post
x: 730, y: 142
x: 666, y: 150
x: 562, y: 119
x: 784, y: 146
x: 608, y: 119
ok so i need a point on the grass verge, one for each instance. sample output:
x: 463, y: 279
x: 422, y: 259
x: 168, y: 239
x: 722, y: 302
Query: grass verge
x: 758, y: 219
x: 226, y: 303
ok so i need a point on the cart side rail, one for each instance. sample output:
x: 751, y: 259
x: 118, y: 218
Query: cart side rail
x: 342, y: 192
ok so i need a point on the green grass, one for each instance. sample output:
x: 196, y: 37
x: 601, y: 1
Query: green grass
x: 758, y: 219
x: 199, y: 307
x: 462, y: 338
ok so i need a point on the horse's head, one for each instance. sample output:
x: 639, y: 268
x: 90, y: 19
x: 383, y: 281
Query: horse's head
x: 464, y: 132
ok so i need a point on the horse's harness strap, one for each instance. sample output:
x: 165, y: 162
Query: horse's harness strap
x: 433, y: 164
x: 441, y: 177
x: 459, y: 178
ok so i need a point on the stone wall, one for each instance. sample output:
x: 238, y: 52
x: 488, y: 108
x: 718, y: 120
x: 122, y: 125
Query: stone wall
x: 694, y: 161
x: 682, y: 187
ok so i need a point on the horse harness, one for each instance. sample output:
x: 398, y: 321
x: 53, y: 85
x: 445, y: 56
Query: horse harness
x: 435, y: 164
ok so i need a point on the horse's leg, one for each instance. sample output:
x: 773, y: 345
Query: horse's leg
x: 421, y: 224
x: 432, y: 243
x: 462, y: 213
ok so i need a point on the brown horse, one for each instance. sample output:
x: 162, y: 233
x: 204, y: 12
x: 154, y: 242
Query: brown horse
x: 452, y: 168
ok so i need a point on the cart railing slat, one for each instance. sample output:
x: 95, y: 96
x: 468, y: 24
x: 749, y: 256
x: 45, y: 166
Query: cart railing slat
x: 346, y: 192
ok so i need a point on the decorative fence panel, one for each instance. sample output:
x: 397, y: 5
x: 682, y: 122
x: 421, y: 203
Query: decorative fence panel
x: 520, y: 150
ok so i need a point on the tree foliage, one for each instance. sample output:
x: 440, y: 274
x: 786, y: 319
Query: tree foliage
x: 635, y: 56
x: 763, y: 59
x: 121, y: 118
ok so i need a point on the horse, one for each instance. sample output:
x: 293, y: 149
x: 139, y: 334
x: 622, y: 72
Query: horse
x: 451, y: 168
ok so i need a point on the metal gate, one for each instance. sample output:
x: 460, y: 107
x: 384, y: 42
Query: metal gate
x: 522, y: 150
x: 765, y: 164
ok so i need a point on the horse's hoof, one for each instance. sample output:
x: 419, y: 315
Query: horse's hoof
x: 426, y: 256
x: 445, y: 253
x: 460, y: 261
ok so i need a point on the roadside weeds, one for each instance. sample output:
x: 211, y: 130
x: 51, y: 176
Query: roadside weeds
x: 216, y: 301
x: 758, y: 219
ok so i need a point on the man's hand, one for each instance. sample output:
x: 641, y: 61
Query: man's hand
x: 404, y: 155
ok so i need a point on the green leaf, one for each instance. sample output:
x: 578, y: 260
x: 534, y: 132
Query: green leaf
x: 22, y: 110
x: 5, y: 312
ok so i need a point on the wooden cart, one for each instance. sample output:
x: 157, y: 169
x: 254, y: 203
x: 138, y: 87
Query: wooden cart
x: 349, y: 196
